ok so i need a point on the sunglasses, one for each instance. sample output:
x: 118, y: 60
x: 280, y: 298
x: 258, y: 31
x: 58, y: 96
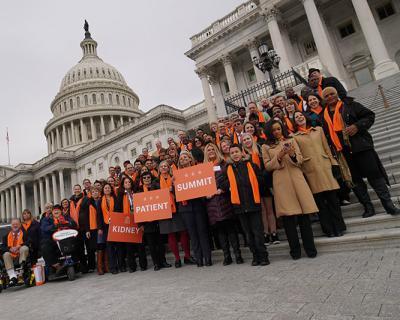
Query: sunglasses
x: 146, y: 177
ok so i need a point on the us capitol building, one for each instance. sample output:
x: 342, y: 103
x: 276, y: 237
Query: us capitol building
x: 96, y: 117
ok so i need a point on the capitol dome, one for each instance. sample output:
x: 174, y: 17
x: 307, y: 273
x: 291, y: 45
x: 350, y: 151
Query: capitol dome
x: 94, y: 99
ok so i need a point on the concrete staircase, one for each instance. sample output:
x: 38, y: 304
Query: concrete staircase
x: 382, y: 230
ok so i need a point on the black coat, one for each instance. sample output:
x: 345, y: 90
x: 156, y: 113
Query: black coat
x: 34, y: 235
x: 333, y: 82
x: 247, y: 203
x: 83, y: 220
x: 355, y: 113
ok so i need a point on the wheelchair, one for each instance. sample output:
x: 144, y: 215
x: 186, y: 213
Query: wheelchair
x: 24, y: 273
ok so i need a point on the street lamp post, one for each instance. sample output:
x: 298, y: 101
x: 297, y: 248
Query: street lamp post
x: 267, y: 61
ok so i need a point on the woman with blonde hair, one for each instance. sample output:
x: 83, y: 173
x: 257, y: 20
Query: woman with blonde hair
x: 253, y: 151
x: 195, y: 218
x: 219, y: 207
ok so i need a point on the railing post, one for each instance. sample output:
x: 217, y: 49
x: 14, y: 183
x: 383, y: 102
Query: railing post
x: 382, y: 93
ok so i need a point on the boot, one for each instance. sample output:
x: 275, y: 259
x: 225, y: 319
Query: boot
x: 382, y: 191
x: 227, y: 259
x: 361, y: 192
x: 369, y: 210
x: 100, y: 262
x: 106, y: 265
x: 238, y: 258
x: 255, y: 261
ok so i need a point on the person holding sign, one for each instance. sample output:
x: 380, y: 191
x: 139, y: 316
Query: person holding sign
x: 174, y: 226
x: 243, y: 180
x: 103, y: 221
x: 124, y: 204
x: 195, y: 218
x: 152, y: 229
x: 220, y: 210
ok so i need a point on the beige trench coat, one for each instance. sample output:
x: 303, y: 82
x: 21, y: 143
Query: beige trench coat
x: 292, y: 194
x: 317, y: 160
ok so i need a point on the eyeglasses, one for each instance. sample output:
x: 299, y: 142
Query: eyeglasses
x: 146, y: 177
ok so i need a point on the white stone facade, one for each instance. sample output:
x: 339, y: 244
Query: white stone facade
x: 354, y: 40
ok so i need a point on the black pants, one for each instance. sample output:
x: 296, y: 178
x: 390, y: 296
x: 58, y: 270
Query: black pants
x: 197, y: 226
x: 330, y: 213
x: 50, y: 251
x: 156, y: 247
x: 226, y: 231
x: 254, y: 229
x: 380, y: 187
x: 133, y: 250
x: 290, y: 223
x: 89, y: 261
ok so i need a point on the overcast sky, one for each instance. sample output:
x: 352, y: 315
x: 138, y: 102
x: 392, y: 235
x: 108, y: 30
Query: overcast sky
x: 145, y: 40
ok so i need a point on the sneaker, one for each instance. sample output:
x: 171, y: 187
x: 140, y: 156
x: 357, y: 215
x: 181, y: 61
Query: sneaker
x: 275, y: 238
x: 267, y: 239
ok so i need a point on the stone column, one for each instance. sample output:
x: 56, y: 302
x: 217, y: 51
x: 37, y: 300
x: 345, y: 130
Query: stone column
x: 18, y: 200
x: 42, y: 196
x: 271, y: 15
x: 12, y: 200
x: 47, y: 186
x: 93, y: 129
x: 73, y: 140
x: 58, y: 138
x: 8, y: 205
x: 3, y: 207
x: 102, y: 126
x: 48, y: 144
x: 54, y: 185
x: 208, y: 100
x: 64, y: 136
x: 218, y: 96
x: 112, y: 124
x: 122, y: 120
x: 325, y: 51
x: 252, y: 45
x: 74, y: 178
x: 23, y: 196
x: 35, y: 199
x: 384, y: 66
x: 230, y: 76
x: 77, y: 135
x: 62, y: 187
x: 83, y: 131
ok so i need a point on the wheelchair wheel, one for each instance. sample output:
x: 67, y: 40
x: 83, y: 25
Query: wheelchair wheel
x: 30, y: 280
x: 71, y: 273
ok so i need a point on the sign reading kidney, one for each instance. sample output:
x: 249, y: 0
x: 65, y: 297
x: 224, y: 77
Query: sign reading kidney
x: 195, y: 182
x: 152, y: 205
x: 122, y: 228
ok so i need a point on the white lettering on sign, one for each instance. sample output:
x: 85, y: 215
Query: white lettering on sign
x: 122, y: 229
x: 151, y: 207
x: 194, y: 184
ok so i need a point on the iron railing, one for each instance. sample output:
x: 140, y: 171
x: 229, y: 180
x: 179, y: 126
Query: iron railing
x: 263, y: 90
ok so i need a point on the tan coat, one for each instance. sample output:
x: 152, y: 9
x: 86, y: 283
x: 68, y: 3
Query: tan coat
x: 317, y: 160
x: 291, y: 191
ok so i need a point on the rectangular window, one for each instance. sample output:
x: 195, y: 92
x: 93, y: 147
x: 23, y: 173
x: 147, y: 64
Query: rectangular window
x: 133, y: 153
x: 385, y: 10
x: 363, y: 76
x: 226, y: 87
x: 89, y: 171
x: 346, y: 29
x: 149, y: 146
x: 252, y: 75
x: 101, y: 167
x: 310, y: 47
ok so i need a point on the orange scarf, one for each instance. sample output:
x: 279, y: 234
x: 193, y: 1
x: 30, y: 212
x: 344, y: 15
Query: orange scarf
x: 300, y: 104
x: 15, y: 240
x: 27, y: 225
x: 261, y: 117
x: 336, y: 126
x: 166, y: 183
x: 126, y: 206
x: 235, y: 138
x: 305, y: 130
x: 255, y: 158
x: 154, y: 172
x: 188, y: 147
x: 235, y: 199
x: 174, y: 167
x: 74, y: 210
x: 320, y: 86
x: 289, y: 124
x: 107, y: 209
x: 92, y: 217
x: 60, y: 221
x: 317, y: 110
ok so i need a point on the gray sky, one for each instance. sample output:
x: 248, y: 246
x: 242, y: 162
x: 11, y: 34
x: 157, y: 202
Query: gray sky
x: 145, y: 40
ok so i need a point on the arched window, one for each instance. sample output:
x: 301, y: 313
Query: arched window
x: 123, y: 101
x: 86, y: 100
x: 117, y: 98
x: 102, y: 98
x: 65, y: 106
x: 129, y: 102
x: 110, y: 101
x: 78, y: 102
x: 84, y: 73
x: 71, y: 104
x: 91, y: 71
x: 94, y: 100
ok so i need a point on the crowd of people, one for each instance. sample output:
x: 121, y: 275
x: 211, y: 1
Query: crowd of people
x: 286, y: 161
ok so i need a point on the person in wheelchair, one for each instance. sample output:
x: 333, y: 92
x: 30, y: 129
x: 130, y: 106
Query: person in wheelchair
x: 15, y: 248
x: 50, y: 224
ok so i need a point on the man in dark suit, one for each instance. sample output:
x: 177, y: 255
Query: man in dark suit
x: 319, y: 83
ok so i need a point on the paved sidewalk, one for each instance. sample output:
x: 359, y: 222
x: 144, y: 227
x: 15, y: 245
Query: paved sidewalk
x: 350, y: 285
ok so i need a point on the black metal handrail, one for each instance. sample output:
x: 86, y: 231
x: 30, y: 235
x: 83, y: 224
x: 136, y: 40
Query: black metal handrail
x: 262, y: 90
